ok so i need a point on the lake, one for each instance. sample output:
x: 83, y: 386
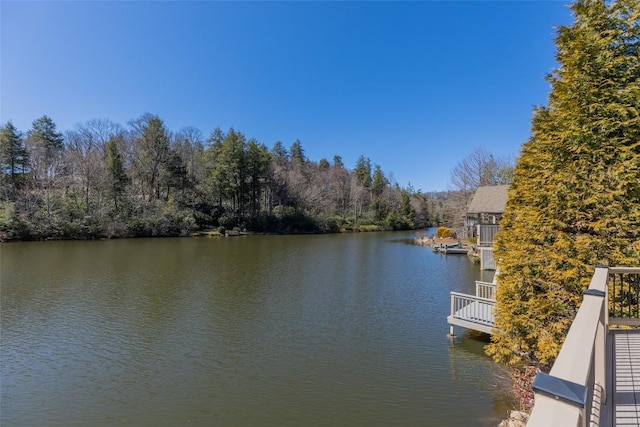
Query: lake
x: 320, y: 330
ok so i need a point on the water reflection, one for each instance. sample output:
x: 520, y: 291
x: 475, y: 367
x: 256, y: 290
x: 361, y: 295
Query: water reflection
x: 469, y: 364
x: 263, y: 330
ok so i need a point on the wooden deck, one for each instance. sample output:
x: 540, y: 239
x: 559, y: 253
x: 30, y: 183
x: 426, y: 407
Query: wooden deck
x: 624, y: 396
x: 595, y: 380
x: 473, y: 312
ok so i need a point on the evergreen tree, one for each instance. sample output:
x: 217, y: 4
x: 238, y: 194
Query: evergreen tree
x: 14, y: 159
x: 46, y: 146
x: 257, y: 166
x: 361, y: 187
x: 174, y: 174
x: 337, y: 162
x: 297, y: 153
x: 379, y: 182
x: 44, y: 131
x: 227, y: 175
x: 378, y: 185
x: 279, y: 173
x: 408, y: 212
x: 152, y: 150
x: 324, y: 164
x: 280, y: 153
x: 575, y: 197
x: 117, y: 179
x: 340, y: 186
x: 362, y: 172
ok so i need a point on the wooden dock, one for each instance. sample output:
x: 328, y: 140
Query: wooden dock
x: 474, y: 312
x: 455, y: 251
x: 451, y: 249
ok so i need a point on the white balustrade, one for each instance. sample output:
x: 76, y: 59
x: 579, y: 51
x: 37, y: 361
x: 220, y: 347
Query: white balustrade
x: 485, y: 290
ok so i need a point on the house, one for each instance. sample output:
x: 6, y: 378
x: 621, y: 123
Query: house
x: 483, y: 216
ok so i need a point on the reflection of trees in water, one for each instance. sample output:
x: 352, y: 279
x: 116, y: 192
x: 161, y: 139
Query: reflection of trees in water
x: 471, y: 367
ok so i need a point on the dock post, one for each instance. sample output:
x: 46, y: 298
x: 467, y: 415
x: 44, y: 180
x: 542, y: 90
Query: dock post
x: 451, y: 334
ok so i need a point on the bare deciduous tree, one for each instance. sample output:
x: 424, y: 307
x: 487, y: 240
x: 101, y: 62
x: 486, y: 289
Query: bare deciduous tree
x: 477, y: 169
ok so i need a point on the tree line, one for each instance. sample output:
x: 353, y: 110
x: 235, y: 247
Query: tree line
x: 105, y: 180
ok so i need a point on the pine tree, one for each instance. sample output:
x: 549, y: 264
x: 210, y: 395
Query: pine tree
x: 46, y: 147
x: 362, y: 172
x: 378, y: 184
x: 117, y: 179
x: 575, y: 197
x: 14, y: 159
x: 152, y: 147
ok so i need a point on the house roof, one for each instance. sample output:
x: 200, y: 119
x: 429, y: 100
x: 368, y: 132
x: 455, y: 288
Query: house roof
x: 489, y: 199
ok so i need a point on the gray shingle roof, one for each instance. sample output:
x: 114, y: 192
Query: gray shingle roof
x: 489, y: 199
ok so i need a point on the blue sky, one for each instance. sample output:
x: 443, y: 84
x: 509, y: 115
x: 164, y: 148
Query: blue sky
x: 414, y: 86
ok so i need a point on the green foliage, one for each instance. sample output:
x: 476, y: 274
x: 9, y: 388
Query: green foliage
x: 575, y: 197
x: 396, y: 221
x: 333, y: 224
x: 262, y: 222
x: 297, y: 153
x: 148, y: 181
x: 12, y: 227
x: 379, y: 182
x: 370, y: 227
x: 291, y: 220
x: 324, y: 165
x: 155, y: 220
x: 152, y: 146
x: 227, y: 221
x: 116, y: 180
x: 44, y: 131
x: 362, y: 172
x: 406, y: 209
x: 14, y: 161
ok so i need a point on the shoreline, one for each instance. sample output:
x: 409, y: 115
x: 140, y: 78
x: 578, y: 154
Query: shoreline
x: 200, y: 233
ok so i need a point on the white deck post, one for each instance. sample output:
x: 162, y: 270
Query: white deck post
x: 453, y: 310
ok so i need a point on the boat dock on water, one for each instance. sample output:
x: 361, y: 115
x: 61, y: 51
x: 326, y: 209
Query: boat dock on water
x: 454, y: 251
x: 451, y: 249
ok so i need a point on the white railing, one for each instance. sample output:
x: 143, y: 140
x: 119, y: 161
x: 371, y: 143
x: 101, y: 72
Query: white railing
x: 472, y: 308
x: 487, y: 261
x: 485, y: 290
x: 486, y: 234
x: 573, y: 392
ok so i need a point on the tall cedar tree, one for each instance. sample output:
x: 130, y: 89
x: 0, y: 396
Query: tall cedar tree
x: 575, y: 198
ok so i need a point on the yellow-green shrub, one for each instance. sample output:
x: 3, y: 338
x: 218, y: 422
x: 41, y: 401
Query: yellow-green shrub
x: 445, y: 232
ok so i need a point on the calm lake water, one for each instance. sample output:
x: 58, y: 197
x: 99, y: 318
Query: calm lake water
x: 327, y: 330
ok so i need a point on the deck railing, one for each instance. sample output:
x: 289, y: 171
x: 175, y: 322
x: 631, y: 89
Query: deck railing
x: 472, y: 308
x: 573, y: 392
x: 486, y: 234
x: 624, y: 296
x: 485, y: 290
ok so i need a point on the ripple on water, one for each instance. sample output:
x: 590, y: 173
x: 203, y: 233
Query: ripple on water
x: 268, y: 330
